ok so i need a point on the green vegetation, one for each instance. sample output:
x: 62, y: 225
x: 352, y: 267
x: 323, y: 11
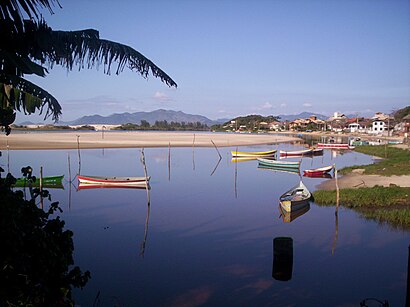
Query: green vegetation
x: 165, y: 126
x: 399, y: 114
x: 36, y: 262
x: 395, y: 161
x: 385, y: 204
x: 251, y: 122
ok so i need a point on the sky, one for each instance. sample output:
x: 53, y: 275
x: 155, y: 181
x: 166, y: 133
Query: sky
x: 239, y: 57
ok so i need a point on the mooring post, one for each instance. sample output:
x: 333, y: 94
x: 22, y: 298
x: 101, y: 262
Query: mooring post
x: 41, y: 188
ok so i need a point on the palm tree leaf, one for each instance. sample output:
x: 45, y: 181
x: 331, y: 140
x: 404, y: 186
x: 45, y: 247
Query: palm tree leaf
x: 85, y: 49
x: 28, y: 97
x: 15, y: 10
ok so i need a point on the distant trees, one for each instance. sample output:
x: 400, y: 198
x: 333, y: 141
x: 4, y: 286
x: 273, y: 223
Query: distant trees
x: 163, y: 125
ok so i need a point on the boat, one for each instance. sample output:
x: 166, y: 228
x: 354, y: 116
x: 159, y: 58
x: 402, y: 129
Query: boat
x: 276, y: 163
x: 296, y: 198
x: 334, y: 145
x: 291, y: 170
x: 318, y: 171
x: 327, y: 176
x: 113, y: 180
x: 297, y: 153
x: 318, y: 151
x: 291, y: 216
x: 47, y: 182
x: 89, y: 186
x: 254, y: 154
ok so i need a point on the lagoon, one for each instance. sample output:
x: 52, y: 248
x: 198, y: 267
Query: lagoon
x: 207, y: 236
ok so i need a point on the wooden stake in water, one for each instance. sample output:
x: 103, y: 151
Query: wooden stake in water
x: 169, y: 161
x: 41, y: 188
x: 337, y: 191
x: 193, y: 153
x: 217, y: 149
x: 79, y: 155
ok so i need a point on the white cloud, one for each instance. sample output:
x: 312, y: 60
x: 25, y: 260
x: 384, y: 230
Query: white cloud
x: 307, y: 104
x: 266, y: 105
x: 162, y: 97
x: 283, y: 105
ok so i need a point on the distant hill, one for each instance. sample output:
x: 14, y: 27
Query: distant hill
x: 135, y: 118
x: 283, y: 117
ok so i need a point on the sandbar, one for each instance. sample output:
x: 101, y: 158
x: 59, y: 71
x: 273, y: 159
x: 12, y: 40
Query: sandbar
x: 134, y: 139
x: 357, y: 180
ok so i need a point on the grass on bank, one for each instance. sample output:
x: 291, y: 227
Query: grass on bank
x: 395, y: 161
x: 384, y: 204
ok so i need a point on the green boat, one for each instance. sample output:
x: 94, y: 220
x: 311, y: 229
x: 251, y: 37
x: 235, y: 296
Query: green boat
x: 48, y: 182
x: 276, y: 163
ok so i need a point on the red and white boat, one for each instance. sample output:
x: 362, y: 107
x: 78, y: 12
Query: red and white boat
x: 129, y: 181
x: 334, y: 145
x: 318, y: 171
x: 296, y: 153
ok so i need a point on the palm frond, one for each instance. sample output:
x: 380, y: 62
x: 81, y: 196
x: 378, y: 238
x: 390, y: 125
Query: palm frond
x: 22, y: 95
x: 85, y: 49
x: 15, y: 10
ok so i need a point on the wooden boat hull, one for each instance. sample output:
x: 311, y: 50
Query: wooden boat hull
x: 245, y: 154
x: 47, y: 182
x: 327, y: 175
x: 296, y: 198
x: 318, y: 171
x: 296, y: 153
x: 132, y: 181
x: 334, y: 146
x: 291, y: 216
x: 276, y: 163
x: 89, y: 186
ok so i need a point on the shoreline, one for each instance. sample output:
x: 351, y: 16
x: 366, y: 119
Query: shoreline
x: 132, y: 139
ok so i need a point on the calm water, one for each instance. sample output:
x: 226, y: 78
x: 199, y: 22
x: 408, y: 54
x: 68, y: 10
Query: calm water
x: 207, y: 237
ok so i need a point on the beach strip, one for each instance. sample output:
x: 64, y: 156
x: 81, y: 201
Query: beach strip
x: 133, y: 139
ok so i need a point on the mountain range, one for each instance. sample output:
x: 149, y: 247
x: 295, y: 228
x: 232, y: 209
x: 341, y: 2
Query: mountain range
x: 162, y: 115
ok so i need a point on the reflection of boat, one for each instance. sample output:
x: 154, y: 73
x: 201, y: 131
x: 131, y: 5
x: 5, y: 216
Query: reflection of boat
x: 242, y: 159
x: 282, y: 266
x: 47, y: 182
x: 290, y: 216
x: 254, y: 154
x: 287, y: 164
x: 86, y: 186
x: 292, y: 170
x: 328, y: 176
x: 305, y: 152
x: 334, y: 145
x: 113, y: 180
x: 318, y: 171
x: 295, y: 198
x: 318, y: 151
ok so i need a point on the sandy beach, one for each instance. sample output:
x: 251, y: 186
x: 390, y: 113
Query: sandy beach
x: 90, y: 140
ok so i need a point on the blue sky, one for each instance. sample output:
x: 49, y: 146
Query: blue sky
x: 232, y: 58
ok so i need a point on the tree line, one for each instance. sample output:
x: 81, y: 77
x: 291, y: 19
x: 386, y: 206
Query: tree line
x: 164, y: 125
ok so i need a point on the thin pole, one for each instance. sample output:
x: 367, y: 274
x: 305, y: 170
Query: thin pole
x: 216, y: 149
x: 79, y: 155
x: 236, y: 173
x: 193, y: 153
x: 169, y: 161
x: 41, y: 188
x: 337, y: 191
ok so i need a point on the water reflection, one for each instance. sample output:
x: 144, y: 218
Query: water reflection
x: 282, y: 266
x: 193, y: 225
x: 288, y: 217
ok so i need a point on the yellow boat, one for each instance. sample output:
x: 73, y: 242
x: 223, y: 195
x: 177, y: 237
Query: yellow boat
x: 254, y: 154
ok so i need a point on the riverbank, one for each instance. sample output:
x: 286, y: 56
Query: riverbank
x: 94, y: 140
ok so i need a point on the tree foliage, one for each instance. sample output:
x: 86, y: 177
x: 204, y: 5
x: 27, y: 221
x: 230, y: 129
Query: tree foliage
x: 37, y: 252
x: 30, y: 46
